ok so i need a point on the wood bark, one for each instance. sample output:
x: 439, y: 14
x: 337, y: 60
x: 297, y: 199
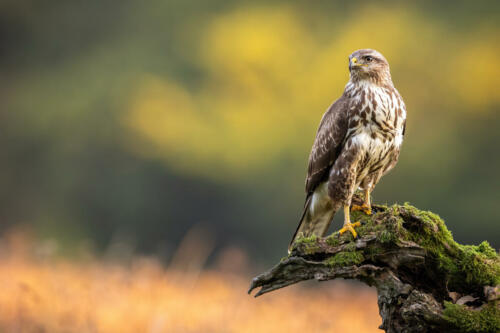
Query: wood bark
x: 410, y: 280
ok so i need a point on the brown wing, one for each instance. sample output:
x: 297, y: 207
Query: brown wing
x: 327, y: 145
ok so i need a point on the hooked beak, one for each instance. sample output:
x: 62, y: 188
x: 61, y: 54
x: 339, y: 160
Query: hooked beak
x: 354, y: 63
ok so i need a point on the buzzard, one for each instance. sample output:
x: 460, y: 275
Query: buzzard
x: 358, y: 141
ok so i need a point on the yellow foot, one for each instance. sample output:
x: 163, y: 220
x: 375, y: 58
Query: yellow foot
x: 350, y: 227
x: 365, y: 208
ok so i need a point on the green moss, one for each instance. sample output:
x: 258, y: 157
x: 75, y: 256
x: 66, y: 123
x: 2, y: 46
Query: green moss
x: 366, y: 227
x: 333, y: 239
x: 345, y: 259
x: 387, y: 236
x: 485, y: 320
x: 360, y: 216
x: 307, y: 240
x: 477, y: 267
x: 346, y: 237
x: 308, y: 245
x: 487, y: 250
x: 464, y: 266
x: 471, y: 265
x: 350, y: 247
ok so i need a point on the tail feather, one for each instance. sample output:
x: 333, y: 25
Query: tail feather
x: 314, y: 220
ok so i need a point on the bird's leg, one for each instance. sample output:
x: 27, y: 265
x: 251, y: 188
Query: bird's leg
x: 348, y: 226
x: 366, y: 206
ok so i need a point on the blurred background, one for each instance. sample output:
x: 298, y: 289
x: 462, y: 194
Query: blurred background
x: 180, y: 130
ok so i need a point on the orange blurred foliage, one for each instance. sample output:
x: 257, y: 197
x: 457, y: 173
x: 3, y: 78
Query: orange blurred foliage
x: 41, y: 294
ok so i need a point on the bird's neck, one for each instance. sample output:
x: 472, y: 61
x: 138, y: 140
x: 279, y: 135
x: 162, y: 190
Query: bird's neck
x: 354, y: 87
x: 380, y: 78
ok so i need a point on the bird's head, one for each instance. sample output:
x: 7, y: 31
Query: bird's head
x: 368, y: 64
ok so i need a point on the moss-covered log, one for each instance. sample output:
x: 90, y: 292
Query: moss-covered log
x: 426, y: 282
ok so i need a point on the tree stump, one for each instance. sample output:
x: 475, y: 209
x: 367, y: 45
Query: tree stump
x: 426, y: 282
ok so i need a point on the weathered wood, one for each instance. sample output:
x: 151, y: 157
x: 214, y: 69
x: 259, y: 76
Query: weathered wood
x: 425, y: 281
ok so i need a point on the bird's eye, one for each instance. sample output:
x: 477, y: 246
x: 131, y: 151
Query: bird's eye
x: 368, y: 58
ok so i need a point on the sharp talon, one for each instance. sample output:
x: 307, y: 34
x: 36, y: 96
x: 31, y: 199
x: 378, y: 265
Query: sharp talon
x: 365, y: 208
x: 350, y: 227
x: 356, y: 208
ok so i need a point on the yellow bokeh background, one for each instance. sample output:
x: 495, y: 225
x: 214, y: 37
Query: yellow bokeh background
x: 268, y: 75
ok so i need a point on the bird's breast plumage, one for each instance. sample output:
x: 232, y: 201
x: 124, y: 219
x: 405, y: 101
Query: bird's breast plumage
x: 377, y: 115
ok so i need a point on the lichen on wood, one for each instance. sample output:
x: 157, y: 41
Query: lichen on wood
x: 426, y: 282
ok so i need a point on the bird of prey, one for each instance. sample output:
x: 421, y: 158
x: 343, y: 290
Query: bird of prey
x: 358, y: 141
